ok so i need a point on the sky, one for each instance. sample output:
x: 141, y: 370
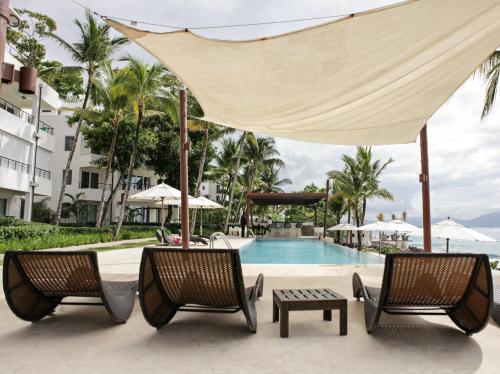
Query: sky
x: 464, y: 154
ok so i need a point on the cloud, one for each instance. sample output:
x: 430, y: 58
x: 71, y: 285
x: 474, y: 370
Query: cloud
x: 463, y: 151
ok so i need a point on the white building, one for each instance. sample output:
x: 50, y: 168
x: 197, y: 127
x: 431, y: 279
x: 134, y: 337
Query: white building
x: 213, y: 191
x: 17, y: 156
x: 86, y: 178
x: 18, y: 147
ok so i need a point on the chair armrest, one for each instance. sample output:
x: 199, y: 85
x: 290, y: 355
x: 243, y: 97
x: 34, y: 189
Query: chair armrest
x: 358, y: 289
x: 258, y: 288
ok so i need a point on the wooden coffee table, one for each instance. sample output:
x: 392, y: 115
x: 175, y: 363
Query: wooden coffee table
x: 324, y: 299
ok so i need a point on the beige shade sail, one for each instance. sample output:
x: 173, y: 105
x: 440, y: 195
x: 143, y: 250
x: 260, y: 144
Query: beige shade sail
x: 373, y: 78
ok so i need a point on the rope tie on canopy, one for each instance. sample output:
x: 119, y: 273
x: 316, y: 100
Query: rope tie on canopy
x: 135, y: 22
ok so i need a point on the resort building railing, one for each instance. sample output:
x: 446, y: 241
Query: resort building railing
x: 18, y: 112
x: 23, y: 167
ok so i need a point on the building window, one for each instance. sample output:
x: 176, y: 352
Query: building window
x: 89, y: 180
x: 70, y: 176
x: 21, y: 211
x: 68, y: 142
x: 94, y: 181
x: 65, y: 210
x: 3, y: 207
x: 85, y: 179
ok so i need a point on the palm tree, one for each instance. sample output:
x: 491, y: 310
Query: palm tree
x: 360, y: 181
x: 145, y: 84
x: 338, y: 206
x: 235, y: 179
x: 270, y: 179
x: 114, y: 98
x: 371, y: 171
x: 225, y: 162
x: 90, y: 52
x: 380, y: 217
x: 76, y: 206
x: 211, y: 133
x: 490, y: 72
x: 261, y: 153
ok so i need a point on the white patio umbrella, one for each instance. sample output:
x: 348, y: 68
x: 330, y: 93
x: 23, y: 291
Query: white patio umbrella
x: 161, y: 192
x: 400, y: 226
x: 343, y: 227
x: 449, y: 229
x: 205, y: 203
x: 375, y: 226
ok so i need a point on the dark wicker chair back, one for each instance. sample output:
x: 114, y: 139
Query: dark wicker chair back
x: 430, y: 281
x: 459, y: 285
x: 173, y: 279
x: 35, y: 283
x: 60, y: 274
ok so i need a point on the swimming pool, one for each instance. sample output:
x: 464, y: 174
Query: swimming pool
x: 302, y: 251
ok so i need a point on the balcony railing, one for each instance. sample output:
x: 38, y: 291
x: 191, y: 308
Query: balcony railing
x: 100, y: 186
x: 18, y: 112
x: 13, y: 164
x: 24, y: 168
x: 42, y: 173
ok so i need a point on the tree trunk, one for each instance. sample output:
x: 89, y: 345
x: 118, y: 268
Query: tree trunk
x: 57, y: 218
x: 111, y: 153
x: 233, y: 183
x: 237, y: 211
x: 169, y: 214
x: 363, y: 213
x: 357, y: 217
x: 116, y: 234
x: 201, y: 169
x: 110, y: 200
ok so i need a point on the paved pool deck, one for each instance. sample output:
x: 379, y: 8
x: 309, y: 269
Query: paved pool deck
x: 79, y: 339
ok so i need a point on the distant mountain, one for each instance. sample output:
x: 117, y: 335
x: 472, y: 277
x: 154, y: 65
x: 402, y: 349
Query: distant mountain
x: 484, y: 220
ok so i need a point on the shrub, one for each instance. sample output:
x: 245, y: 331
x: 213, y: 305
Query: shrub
x: 10, y: 221
x: 494, y: 265
x: 33, y: 236
x: 388, y: 249
x: 27, y: 231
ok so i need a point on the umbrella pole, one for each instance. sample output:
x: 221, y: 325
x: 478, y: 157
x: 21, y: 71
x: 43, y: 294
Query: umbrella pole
x: 184, y: 168
x: 162, y: 217
x: 201, y: 221
x: 447, y: 244
x: 379, y: 243
x: 424, y: 179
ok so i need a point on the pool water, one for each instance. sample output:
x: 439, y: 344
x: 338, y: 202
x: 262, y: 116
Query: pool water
x: 302, y: 251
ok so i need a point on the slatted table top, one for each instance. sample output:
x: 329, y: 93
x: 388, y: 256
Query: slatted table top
x: 307, y: 295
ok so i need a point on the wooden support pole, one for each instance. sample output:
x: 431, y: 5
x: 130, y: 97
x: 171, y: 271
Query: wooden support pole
x: 316, y: 215
x: 325, y: 216
x: 426, y: 200
x: 184, y: 169
x: 4, y: 22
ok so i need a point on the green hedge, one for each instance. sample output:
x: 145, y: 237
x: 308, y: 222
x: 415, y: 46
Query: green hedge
x: 32, y: 236
x: 9, y: 221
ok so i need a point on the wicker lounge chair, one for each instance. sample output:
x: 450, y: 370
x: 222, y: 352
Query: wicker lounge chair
x: 458, y: 285
x: 496, y: 305
x: 195, y: 280
x: 35, y: 283
x: 168, y: 239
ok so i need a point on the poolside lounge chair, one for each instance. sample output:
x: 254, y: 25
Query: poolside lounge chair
x: 35, y: 283
x: 496, y: 305
x: 159, y: 235
x: 169, y: 239
x: 458, y: 285
x: 195, y: 280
